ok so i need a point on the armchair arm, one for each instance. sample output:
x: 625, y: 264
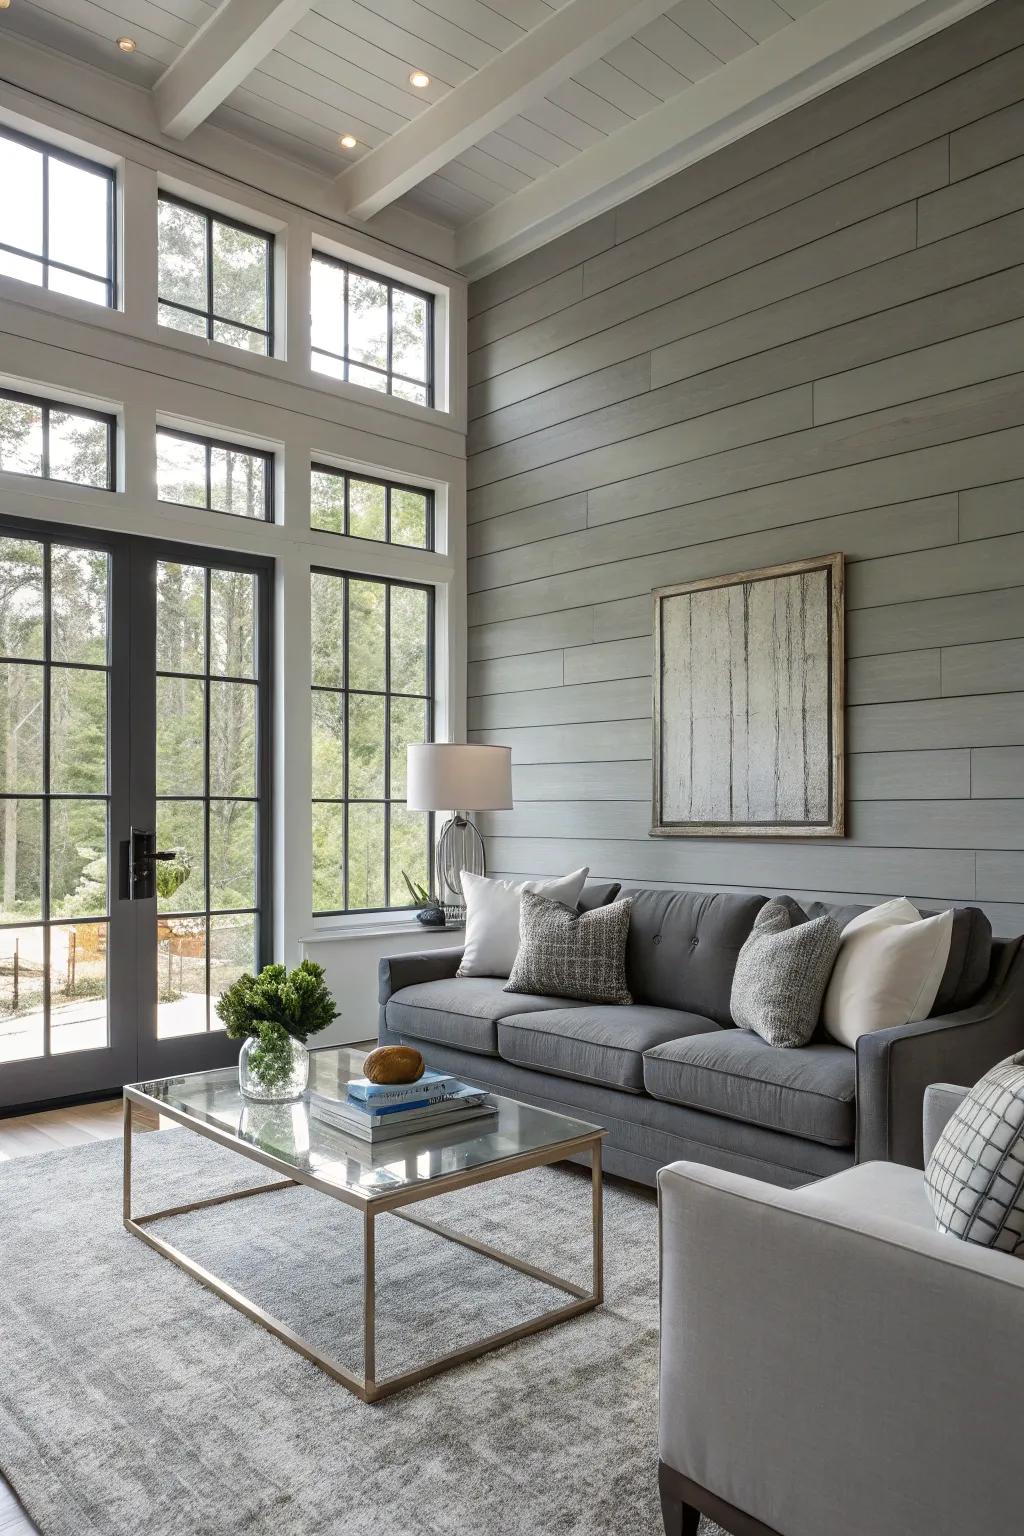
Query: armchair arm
x: 895, y: 1066
x: 825, y: 1367
x: 397, y: 971
x: 941, y: 1101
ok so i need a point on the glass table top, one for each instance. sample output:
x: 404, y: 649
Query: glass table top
x: 299, y: 1141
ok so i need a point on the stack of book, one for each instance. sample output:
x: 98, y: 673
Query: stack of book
x: 382, y: 1111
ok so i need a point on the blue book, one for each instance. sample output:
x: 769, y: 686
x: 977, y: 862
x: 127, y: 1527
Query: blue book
x: 426, y: 1089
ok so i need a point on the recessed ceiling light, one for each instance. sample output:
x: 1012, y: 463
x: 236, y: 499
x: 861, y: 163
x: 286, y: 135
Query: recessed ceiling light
x: 348, y: 141
x: 419, y: 79
x: 127, y: 44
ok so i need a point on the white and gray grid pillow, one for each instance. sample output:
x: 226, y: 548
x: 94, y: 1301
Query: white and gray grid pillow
x: 581, y: 955
x: 782, y: 972
x: 975, y: 1175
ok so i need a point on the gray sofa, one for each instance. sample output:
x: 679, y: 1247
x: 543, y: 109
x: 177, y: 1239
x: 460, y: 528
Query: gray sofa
x: 860, y: 1378
x: 671, y: 1078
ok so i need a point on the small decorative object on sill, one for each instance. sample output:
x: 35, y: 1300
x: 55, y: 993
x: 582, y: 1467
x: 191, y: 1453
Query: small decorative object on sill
x: 429, y: 912
x: 394, y: 1064
x: 274, y: 1015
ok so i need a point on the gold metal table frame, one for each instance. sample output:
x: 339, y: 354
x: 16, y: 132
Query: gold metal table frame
x: 366, y: 1386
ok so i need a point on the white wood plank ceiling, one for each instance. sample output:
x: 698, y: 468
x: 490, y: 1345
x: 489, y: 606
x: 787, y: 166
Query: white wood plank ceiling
x: 295, y: 76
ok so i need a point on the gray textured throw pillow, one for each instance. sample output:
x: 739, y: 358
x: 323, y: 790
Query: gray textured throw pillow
x: 782, y: 972
x: 975, y: 1175
x: 571, y: 954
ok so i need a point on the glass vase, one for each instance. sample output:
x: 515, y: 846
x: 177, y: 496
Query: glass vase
x: 273, y: 1076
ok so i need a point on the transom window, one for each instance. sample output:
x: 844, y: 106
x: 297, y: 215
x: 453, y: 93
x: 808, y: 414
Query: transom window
x: 55, y: 441
x: 364, y: 508
x: 373, y: 686
x: 215, y: 277
x: 220, y: 477
x: 56, y: 219
x: 372, y: 331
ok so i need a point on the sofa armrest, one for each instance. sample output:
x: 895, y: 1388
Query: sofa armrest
x: 397, y: 971
x: 825, y: 1367
x: 895, y: 1066
x: 941, y: 1101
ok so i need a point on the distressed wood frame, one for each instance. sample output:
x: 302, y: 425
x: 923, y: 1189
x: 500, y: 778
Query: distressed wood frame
x: 835, y: 824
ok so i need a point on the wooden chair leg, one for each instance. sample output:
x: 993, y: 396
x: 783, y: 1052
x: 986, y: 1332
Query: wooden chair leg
x: 679, y: 1519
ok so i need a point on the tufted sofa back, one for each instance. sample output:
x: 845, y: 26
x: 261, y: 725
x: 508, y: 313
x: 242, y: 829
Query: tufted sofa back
x: 683, y: 945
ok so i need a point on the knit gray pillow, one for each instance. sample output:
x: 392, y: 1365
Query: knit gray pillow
x: 782, y: 972
x: 975, y: 1175
x: 571, y: 954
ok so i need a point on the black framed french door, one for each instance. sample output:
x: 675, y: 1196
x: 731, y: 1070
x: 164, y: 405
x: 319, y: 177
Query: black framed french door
x: 135, y: 817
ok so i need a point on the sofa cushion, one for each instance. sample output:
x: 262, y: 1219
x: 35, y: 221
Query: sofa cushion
x: 599, y: 893
x: 683, y: 946
x: 460, y: 1011
x: 594, y: 1043
x: 809, y: 1092
x: 970, y: 953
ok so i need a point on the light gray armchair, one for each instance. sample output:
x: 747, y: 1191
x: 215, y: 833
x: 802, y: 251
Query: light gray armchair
x: 831, y: 1365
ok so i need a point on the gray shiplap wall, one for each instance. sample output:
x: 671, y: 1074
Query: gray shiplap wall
x: 813, y: 341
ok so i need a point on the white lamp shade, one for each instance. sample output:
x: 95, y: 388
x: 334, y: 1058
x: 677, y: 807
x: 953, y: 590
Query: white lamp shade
x: 454, y: 776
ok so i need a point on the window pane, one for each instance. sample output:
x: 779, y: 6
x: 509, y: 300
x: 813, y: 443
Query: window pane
x: 232, y: 954
x: 21, y: 598
x: 239, y: 336
x: 368, y: 379
x: 327, y: 306
x: 409, y: 334
x: 22, y: 982
x: 78, y: 731
x: 21, y: 728
x: 367, y: 320
x: 238, y: 482
x: 322, y: 363
x: 367, y: 517
x: 78, y: 858
x: 79, y: 449
x: 328, y: 858
x: 182, y: 234
x: 180, y: 617
x: 239, y: 275
x: 24, y: 268
x: 181, y: 320
x: 21, y: 206
x: 408, y: 725
x: 79, y: 217
x: 366, y: 664
x: 409, y: 852
x: 365, y: 746
x: 180, y: 470
x: 181, y: 977
x: 21, y: 859
x: 328, y: 745
x: 21, y: 436
x: 181, y: 883
x: 78, y: 987
x: 79, y: 584
x: 417, y: 393
x: 233, y: 623
x: 327, y: 501
x: 232, y: 853
x: 180, y: 736
x: 232, y: 738
x: 366, y: 857
x: 88, y: 288
x: 408, y: 640
x: 327, y: 629
x: 409, y: 518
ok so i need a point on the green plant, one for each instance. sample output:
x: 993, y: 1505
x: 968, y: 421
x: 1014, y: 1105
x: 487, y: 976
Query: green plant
x: 276, y: 1007
x: 419, y: 893
x: 171, y: 874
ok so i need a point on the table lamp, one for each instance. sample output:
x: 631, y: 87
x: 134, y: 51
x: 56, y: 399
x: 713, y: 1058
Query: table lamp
x: 457, y: 777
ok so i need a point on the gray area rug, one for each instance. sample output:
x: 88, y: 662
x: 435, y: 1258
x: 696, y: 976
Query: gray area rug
x: 132, y: 1399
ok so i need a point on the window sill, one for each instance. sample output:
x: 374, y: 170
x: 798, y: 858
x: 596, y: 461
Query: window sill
x: 379, y: 928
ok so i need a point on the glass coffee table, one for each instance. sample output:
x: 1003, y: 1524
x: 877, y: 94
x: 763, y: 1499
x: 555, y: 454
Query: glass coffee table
x: 388, y: 1178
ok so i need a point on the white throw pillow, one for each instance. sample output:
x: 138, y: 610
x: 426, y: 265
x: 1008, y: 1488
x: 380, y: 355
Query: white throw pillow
x: 887, y: 973
x: 492, y: 917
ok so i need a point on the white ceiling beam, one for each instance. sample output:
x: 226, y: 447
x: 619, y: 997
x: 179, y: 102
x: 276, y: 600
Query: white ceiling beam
x: 568, y: 40
x: 223, y: 53
x: 828, y: 45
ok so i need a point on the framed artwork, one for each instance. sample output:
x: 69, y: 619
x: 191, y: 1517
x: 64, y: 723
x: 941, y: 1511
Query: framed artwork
x: 748, y: 704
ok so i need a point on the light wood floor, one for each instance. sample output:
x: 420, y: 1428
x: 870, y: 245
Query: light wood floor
x: 45, y: 1131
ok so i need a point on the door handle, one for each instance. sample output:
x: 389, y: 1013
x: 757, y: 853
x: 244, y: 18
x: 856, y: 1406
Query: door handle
x: 142, y: 858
